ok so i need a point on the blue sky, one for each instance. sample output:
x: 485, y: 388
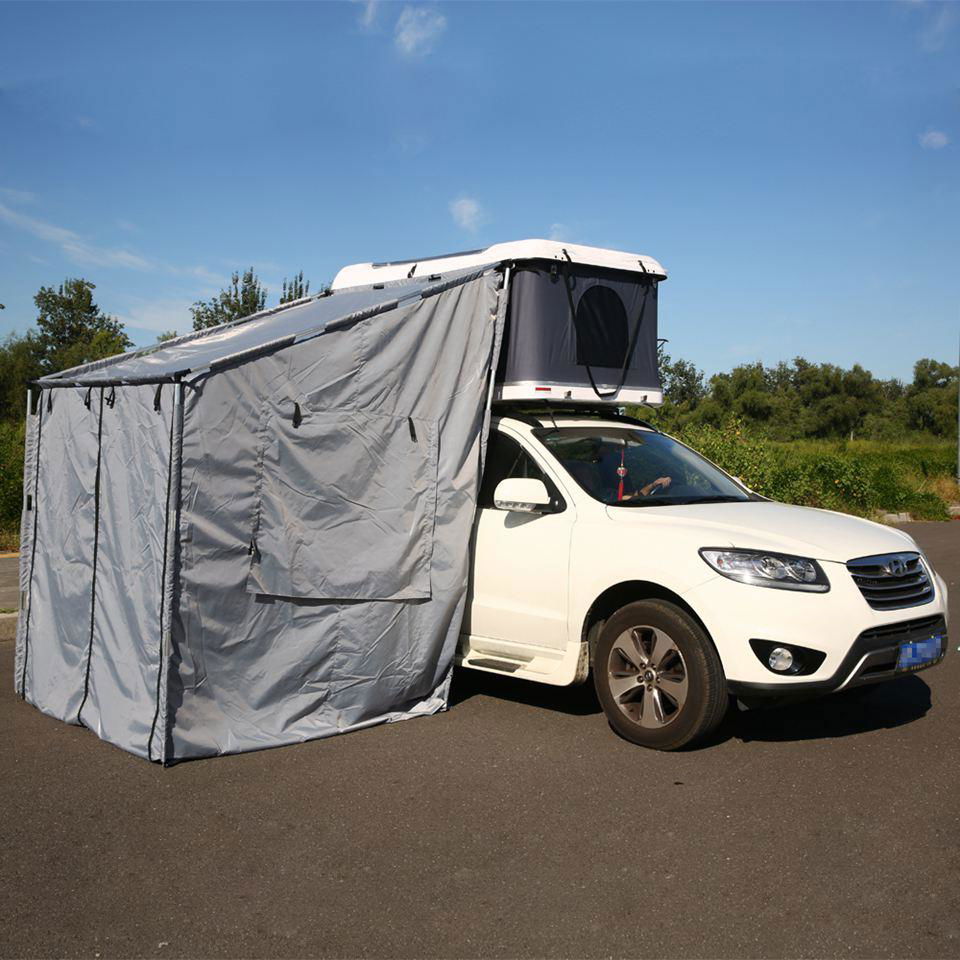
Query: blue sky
x: 794, y: 166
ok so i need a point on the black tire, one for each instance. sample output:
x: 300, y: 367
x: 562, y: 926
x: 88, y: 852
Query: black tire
x: 658, y: 677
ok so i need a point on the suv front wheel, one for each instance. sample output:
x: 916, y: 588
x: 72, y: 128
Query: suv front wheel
x: 658, y: 676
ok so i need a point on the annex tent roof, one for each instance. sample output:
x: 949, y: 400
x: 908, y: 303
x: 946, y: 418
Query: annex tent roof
x: 262, y: 332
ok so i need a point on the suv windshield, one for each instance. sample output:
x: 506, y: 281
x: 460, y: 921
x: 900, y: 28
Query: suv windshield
x: 628, y: 467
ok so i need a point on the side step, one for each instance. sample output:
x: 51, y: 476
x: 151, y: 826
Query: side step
x: 507, y: 666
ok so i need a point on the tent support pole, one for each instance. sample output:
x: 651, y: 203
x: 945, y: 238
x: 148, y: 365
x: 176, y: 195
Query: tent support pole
x: 168, y: 583
x: 167, y: 546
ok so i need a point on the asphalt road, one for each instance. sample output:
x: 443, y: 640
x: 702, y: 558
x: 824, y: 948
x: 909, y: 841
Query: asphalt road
x: 515, y: 825
x: 9, y: 581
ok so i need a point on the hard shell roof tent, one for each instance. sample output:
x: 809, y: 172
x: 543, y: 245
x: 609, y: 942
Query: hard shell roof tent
x: 581, y: 322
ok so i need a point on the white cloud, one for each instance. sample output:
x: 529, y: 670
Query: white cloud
x: 933, y: 140
x: 368, y: 15
x: 937, y: 20
x: 72, y: 244
x: 84, y: 252
x: 201, y: 273
x: 559, y: 231
x: 159, y: 315
x: 467, y: 213
x: 411, y: 143
x: 417, y: 30
x: 84, y: 122
x: 17, y: 196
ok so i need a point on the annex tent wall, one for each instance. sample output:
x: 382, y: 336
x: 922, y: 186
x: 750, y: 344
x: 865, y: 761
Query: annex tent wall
x: 259, y: 535
x: 579, y: 325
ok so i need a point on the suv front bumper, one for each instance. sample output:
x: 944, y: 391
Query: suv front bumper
x: 873, y: 657
x: 840, y: 623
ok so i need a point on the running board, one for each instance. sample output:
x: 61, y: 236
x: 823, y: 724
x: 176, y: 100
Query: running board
x: 560, y: 667
x: 505, y: 666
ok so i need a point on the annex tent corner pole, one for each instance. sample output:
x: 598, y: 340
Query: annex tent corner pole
x: 33, y: 537
x: 169, y: 573
x: 93, y: 563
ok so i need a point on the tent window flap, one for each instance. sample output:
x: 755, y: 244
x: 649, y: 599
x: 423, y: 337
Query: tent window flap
x: 346, y: 505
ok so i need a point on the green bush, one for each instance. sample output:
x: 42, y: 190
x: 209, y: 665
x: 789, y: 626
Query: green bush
x: 860, y: 477
x: 11, y: 482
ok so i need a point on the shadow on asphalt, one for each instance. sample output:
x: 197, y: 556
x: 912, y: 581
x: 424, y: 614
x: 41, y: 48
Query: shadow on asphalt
x: 579, y: 701
x: 878, y: 707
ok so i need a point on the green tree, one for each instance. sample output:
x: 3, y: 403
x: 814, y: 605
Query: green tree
x: 72, y: 329
x: 166, y: 335
x: 929, y: 373
x: 21, y: 361
x: 244, y: 296
x: 295, y: 289
x: 682, y: 381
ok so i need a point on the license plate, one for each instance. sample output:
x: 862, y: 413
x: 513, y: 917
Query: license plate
x: 918, y: 654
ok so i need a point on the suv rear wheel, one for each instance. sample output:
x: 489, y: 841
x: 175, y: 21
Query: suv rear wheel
x: 658, y: 676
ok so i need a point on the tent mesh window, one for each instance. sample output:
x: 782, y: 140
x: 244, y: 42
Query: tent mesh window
x: 602, y: 329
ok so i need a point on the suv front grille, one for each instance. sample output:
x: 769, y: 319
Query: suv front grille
x: 892, y: 580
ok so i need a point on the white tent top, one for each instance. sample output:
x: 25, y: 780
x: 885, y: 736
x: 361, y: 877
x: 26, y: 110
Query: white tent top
x: 361, y: 274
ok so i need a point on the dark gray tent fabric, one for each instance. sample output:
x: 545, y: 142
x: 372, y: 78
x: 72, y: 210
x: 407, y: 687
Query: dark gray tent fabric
x: 544, y: 344
x: 274, y: 548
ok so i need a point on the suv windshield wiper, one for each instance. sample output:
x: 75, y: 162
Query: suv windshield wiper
x: 676, y: 501
x: 726, y: 498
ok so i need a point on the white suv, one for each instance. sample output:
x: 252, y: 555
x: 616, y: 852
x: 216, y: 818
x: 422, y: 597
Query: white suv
x: 601, y: 542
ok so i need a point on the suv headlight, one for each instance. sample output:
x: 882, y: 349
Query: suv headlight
x: 764, y: 569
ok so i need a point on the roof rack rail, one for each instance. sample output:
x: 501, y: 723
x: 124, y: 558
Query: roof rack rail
x: 529, y: 412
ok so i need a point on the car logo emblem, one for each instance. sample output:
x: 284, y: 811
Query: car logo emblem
x: 896, y: 566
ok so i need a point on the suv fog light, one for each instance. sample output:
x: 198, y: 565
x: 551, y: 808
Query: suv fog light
x: 780, y: 659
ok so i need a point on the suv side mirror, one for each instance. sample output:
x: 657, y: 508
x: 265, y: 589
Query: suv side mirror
x: 522, y: 495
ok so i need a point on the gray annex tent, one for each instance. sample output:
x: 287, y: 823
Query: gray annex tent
x: 259, y: 534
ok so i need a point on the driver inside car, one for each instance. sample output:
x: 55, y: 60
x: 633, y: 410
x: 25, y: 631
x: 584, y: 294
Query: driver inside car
x: 616, y: 474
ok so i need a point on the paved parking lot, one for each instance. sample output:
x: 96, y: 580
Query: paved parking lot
x: 9, y: 581
x: 515, y: 825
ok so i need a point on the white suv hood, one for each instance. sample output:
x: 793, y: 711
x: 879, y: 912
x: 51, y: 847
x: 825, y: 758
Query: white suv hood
x: 767, y: 525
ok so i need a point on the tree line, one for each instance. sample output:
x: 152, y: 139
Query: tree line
x: 799, y: 399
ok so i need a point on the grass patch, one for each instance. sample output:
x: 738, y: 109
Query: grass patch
x: 9, y: 539
x: 862, y: 477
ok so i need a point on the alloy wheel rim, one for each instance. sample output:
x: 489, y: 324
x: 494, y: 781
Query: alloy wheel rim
x: 647, y: 676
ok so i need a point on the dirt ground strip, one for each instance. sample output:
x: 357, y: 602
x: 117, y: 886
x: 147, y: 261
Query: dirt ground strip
x: 515, y: 825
